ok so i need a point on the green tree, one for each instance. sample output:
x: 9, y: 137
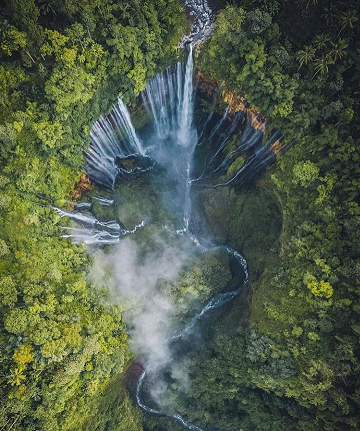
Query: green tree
x: 338, y: 50
x: 348, y: 19
x: 320, y: 41
x: 306, y: 55
x: 322, y: 65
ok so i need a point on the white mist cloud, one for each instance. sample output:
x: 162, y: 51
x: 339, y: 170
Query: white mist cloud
x: 138, y: 282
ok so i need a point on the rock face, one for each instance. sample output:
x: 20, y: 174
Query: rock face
x: 249, y: 221
x: 82, y: 187
x: 235, y: 101
x: 206, y: 84
x: 239, y: 103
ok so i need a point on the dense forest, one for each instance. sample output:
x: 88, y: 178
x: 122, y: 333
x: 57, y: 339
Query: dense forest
x: 62, y: 64
x: 298, y: 63
x: 286, y: 355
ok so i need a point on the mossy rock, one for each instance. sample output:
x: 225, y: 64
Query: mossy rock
x: 249, y: 221
x: 215, y: 266
x: 128, y: 164
x: 208, y: 275
x: 103, y: 212
x: 139, y: 117
x: 137, y: 201
x: 232, y: 145
x: 235, y: 166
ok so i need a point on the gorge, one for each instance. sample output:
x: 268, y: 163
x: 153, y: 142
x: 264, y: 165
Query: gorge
x: 179, y: 215
x: 168, y: 152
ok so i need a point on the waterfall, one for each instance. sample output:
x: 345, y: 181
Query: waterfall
x: 179, y: 86
x: 123, y: 116
x: 77, y: 216
x: 170, y: 144
x: 90, y: 230
x: 111, y: 137
x: 169, y: 98
x: 156, y: 96
x: 186, y: 112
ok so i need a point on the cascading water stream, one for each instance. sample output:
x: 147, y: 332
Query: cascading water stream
x: 187, y: 106
x: 204, y: 21
x: 111, y: 137
x: 93, y: 231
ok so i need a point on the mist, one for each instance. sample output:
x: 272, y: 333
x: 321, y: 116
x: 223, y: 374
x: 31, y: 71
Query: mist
x: 140, y: 280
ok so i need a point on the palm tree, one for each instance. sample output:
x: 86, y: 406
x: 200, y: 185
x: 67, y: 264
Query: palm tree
x: 311, y: 3
x: 338, y: 49
x: 322, y: 65
x: 305, y: 55
x: 329, y: 14
x: 320, y: 41
x: 46, y: 7
x: 348, y: 19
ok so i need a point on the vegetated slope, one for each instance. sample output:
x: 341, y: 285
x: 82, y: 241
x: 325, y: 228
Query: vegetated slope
x: 297, y: 365
x: 62, y: 65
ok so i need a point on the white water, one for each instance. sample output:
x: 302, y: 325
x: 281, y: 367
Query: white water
x: 111, y: 137
x: 169, y: 100
x: 90, y: 230
x: 186, y: 113
x: 203, y: 25
x: 103, y: 201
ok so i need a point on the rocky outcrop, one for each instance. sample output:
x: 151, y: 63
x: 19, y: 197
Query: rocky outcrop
x: 81, y: 187
x: 206, y: 84
x: 235, y: 101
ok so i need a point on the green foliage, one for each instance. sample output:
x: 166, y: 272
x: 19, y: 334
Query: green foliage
x: 63, y: 346
x: 305, y: 173
x: 197, y: 284
x: 62, y: 65
x: 246, y: 220
x: 301, y: 353
x: 237, y: 54
x: 236, y: 165
x: 322, y: 289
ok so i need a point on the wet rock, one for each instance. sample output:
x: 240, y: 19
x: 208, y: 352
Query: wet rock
x: 205, y: 83
x: 82, y: 186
